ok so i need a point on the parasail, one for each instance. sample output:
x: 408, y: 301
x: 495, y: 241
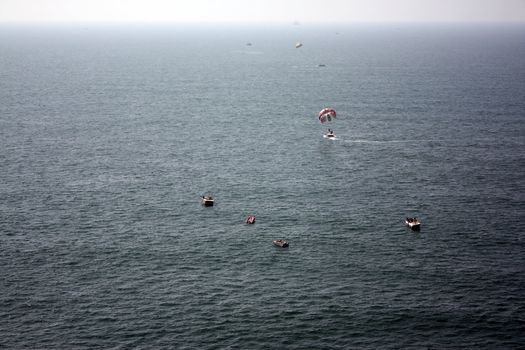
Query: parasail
x: 327, y: 115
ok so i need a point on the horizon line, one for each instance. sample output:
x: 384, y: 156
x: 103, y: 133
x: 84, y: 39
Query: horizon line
x: 292, y: 23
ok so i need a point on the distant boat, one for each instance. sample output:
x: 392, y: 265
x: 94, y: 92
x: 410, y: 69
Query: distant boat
x: 207, y: 201
x: 298, y: 45
x: 280, y: 243
x: 330, y: 135
x: 248, y: 44
x: 413, y: 223
x: 321, y: 65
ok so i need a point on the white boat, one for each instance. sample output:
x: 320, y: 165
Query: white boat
x: 207, y: 201
x: 330, y: 135
x: 298, y: 45
x: 280, y: 243
x: 413, y: 223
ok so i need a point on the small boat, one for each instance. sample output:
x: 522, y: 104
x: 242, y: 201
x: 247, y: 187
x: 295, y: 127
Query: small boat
x: 250, y: 220
x: 280, y: 243
x: 207, y: 201
x: 330, y: 135
x: 298, y: 45
x: 413, y: 223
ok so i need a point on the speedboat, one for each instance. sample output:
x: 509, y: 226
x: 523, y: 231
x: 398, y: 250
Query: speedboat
x: 207, y: 201
x: 250, y: 220
x: 280, y: 243
x: 329, y: 135
x: 413, y: 223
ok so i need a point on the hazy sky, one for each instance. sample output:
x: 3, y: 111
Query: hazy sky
x: 262, y: 10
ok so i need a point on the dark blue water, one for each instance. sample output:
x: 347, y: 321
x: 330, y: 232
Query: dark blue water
x: 110, y: 135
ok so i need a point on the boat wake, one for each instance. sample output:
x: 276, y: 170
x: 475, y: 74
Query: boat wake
x: 390, y: 141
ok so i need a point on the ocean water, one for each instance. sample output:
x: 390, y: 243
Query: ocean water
x: 109, y: 135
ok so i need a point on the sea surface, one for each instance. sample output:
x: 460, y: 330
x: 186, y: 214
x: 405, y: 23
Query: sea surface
x: 110, y: 134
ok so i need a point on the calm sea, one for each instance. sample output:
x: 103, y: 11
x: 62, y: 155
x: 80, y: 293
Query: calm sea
x: 109, y: 135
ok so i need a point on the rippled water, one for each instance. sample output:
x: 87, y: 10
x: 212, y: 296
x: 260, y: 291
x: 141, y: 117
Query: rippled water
x: 110, y: 135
